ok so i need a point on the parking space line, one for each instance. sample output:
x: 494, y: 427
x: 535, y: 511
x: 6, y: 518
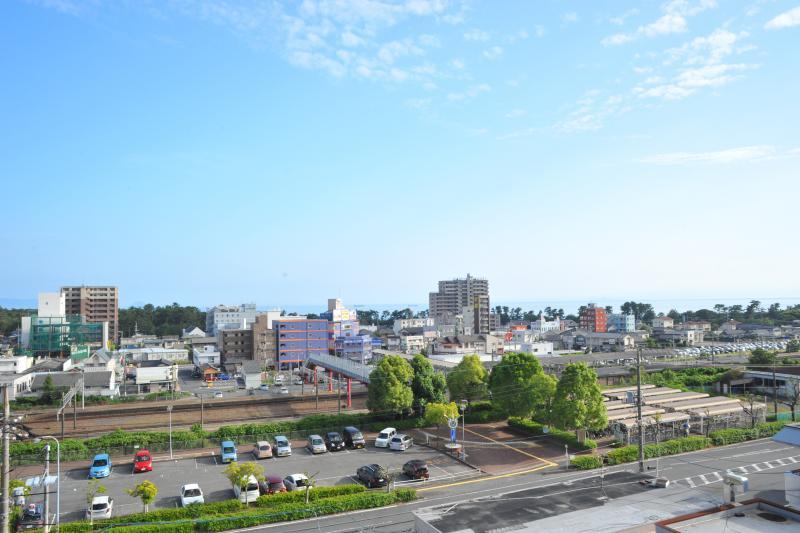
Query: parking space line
x: 548, y: 463
x: 487, y: 478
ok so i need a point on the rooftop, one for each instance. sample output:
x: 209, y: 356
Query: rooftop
x: 752, y: 516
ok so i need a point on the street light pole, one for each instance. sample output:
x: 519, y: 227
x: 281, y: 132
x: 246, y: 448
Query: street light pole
x: 169, y: 410
x: 639, y: 406
x: 58, y: 477
x: 463, y: 429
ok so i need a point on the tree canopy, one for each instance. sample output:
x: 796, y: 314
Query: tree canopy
x: 468, y: 380
x: 760, y: 356
x: 578, y: 400
x: 437, y: 414
x: 166, y: 320
x: 427, y: 385
x: 390, y: 386
x: 146, y: 491
x: 519, y: 386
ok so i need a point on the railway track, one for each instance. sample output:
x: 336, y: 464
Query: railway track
x: 99, y: 421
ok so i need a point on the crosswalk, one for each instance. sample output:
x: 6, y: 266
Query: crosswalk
x: 716, y: 477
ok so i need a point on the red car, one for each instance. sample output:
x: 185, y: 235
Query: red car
x: 142, y: 462
x: 271, y: 485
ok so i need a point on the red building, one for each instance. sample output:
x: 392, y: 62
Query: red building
x: 593, y: 319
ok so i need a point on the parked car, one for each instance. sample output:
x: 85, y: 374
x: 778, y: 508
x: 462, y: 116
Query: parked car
x: 101, y: 466
x: 296, y: 482
x: 280, y: 379
x: 249, y: 493
x: 263, y: 386
x: 101, y: 507
x: 227, y: 451
x: 297, y: 381
x: 142, y: 461
x: 372, y: 475
x: 32, y: 517
x: 353, y: 437
x: 416, y: 469
x: 191, y: 494
x: 218, y: 395
x: 262, y: 450
x: 315, y: 444
x: 224, y: 377
x: 272, y: 484
x: 383, y: 438
x: 283, y: 448
x: 334, y: 441
x: 284, y: 390
x: 401, y: 442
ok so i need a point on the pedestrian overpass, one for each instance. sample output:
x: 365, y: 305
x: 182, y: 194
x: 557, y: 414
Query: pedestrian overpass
x: 341, y: 367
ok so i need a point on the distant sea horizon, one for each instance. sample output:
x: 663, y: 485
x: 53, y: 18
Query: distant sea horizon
x: 569, y: 306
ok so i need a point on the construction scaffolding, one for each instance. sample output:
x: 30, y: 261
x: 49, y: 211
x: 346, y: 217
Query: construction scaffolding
x: 54, y: 336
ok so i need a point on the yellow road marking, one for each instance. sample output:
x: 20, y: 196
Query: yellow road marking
x: 488, y: 478
x: 548, y: 463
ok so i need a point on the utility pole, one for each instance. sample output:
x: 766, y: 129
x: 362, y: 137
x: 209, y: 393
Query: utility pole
x: 639, y: 406
x: 339, y: 398
x: 774, y: 392
x: 6, y: 471
x: 46, y: 513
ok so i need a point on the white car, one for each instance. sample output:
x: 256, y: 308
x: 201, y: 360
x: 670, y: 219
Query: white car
x: 250, y: 493
x: 100, y: 508
x: 383, y: 438
x: 283, y: 448
x: 263, y: 386
x: 279, y: 379
x: 190, y: 494
x: 400, y: 443
x: 296, y: 482
x: 284, y: 390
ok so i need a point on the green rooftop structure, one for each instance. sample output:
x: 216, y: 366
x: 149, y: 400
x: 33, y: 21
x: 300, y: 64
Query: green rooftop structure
x: 55, y: 336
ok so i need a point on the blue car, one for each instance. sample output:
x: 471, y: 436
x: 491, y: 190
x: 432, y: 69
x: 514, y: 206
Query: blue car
x: 224, y: 377
x: 101, y: 466
x: 228, y: 451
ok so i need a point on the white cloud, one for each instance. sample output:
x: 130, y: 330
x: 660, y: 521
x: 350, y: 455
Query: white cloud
x: 570, y: 17
x: 787, y: 19
x: 525, y: 132
x: 476, y: 35
x: 539, y: 30
x: 516, y: 113
x: 730, y: 155
x: 519, y: 36
x: 493, y: 52
x: 418, y: 103
x: 470, y: 93
x: 351, y: 39
x: 619, y: 20
x: 591, y: 112
x: 672, y: 21
x: 457, y: 64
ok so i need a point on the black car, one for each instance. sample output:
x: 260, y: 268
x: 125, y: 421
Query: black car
x: 333, y: 441
x: 31, y: 518
x: 353, y: 437
x: 416, y: 469
x: 373, y: 476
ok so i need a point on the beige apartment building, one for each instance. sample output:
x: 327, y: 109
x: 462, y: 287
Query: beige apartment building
x: 95, y: 304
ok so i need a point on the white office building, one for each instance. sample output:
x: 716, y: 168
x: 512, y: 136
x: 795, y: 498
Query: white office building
x: 230, y: 317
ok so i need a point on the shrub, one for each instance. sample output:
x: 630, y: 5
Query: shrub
x: 628, y: 454
x: 587, y: 462
x: 317, y: 493
x: 565, y: 437
x: 732, y: 436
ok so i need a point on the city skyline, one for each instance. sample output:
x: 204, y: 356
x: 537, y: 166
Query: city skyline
x: 190, y: 151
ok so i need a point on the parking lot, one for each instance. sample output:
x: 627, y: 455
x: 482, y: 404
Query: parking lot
x: 332, y: 468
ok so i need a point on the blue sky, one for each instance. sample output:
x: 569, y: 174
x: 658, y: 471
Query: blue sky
x: 207, y: 151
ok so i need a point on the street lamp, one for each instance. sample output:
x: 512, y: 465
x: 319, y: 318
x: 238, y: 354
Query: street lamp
x: 58, y: 479
x: 169, y: 410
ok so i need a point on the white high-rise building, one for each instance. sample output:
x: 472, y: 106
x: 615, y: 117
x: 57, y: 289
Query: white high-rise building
x: 229, y: 317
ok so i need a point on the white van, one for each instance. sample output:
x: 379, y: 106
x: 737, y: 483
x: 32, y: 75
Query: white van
x: 280, y: 379
x: 250, y: 493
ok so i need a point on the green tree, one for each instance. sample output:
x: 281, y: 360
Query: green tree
x: 145, y: 491
x: 16, y: 483
x: 514, y: 390
x: 544, y: 393
x: 437, y: 414
x: 427, y: 385
x: 760, y: 356
x: 579, y: 403
x: 467, y: 381
x: 239, y: 474
x: 793, y: 346
x: 389, y: 390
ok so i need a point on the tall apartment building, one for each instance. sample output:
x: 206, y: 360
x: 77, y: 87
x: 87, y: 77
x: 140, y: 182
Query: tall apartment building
x: 593, y: 319
x: 455, y: 295
x: 621, y: 322
x: 343, y: 322
x: 96, y: 304
x: 298, y: 338
x: 229, y: 317
x: 265, y: 347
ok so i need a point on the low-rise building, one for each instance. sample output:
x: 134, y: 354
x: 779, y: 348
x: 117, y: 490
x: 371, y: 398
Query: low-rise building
x: 251, y: 374
x: 407, y: 323
x: 189, y: 333
x: 235, y: 344
x: 150, y: 376
x: 579, y: 339
x: 468, y: 344
x: 663, y: 322
x: 700, y: 325
x: 358, y: 348
x: 206, y: 355
x: 621, y: 322
x: 134, y: 355
x: 101, y: 361
x: 101, y: 383
x: 688, y: 337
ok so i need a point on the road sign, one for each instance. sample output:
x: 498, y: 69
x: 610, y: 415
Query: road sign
x: 452, y: 423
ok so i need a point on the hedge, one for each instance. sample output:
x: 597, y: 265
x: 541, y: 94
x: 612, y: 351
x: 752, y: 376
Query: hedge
x: 628, y: 454
x: 483, y: 411
x: 565, y: 437
x: 732, y: 436
x: 587, y: 462
x: 206, y: 517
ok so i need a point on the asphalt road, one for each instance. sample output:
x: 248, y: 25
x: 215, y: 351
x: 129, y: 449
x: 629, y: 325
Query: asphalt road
x: 332, y: 468
x: 766, y: 483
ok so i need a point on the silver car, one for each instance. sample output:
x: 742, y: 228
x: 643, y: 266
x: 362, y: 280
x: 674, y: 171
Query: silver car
x: 316, y: 445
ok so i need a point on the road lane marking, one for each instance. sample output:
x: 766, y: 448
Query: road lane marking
x: 547, y: 463
x: 487, y: 478
x: 701, y: 479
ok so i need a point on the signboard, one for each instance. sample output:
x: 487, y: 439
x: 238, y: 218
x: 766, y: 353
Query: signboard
x: 452, y: 434
x: 79, y: 352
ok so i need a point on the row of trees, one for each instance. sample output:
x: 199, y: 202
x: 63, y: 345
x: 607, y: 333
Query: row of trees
x: 370, y: 317
x: 160, y: 320
x: 517, y: 386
